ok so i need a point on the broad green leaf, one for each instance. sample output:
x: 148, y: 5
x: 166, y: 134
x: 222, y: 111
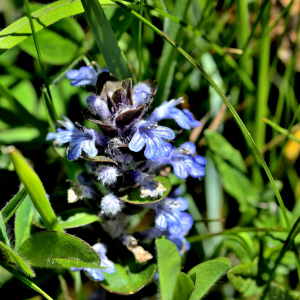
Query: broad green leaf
x: 184, y: 287
x: 24, y: 279
x: 243, y: 278
x: 218, y: 144
x: 71, y: 218
x: 105, y: 39
x: 35, y: 189
x: 19, y: 108
x: 11, y: 207
x: 236, y: 183
x: 278, y: 291
x: 23, y: 222
x: 169, y: 267
x: 135, y: 196
x: 55, y: 49
x: 128, y: 279
x: 14, y: 259
x: 4, y: 276
x: 207, y: 274
x: 59, y: 249
x: 49, y: 14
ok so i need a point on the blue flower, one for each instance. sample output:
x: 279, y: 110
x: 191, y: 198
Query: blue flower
x: 68, y: 126
x: 184, y: 165
x: 111, y: 205
x: 149, y: 186
x: 179, y: 240
x: 96, y: 274
x: 152, y: 135
x: 141, y: 92
x: 85, y: 75
x: 98, y: 107
x: 168, y: 110
x: 170, y: 215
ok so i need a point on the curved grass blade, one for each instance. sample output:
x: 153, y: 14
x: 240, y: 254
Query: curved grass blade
x: 140, y: 44
x: 287, y: 245
x: 237, y: 118
x: 49, y: 14
x: 105, y: 39
x: 16, y: 260
x: 24, y: 279
x: 50, y: 108
x: 11, y: 207
x: 35, y: 189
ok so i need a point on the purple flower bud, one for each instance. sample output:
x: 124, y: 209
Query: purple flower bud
x: 107, y: 174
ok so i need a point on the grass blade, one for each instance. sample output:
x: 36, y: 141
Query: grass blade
x: 288, y: 243
x: 50, y: 110
x: 48, y: 105
x: 140, y: 45
x: 35, y: 189
x: 237, y: 118
x: 286, y: 132
x: 105, y: 39
x: 24, y: 280
x: 11, y: 207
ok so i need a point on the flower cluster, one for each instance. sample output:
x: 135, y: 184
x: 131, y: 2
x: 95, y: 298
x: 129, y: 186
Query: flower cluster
x: 124, y: 152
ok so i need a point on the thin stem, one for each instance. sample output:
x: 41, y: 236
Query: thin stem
x: 140, y: 46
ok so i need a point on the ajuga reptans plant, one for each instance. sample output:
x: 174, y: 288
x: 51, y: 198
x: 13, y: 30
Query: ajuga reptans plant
x: 125, y: 154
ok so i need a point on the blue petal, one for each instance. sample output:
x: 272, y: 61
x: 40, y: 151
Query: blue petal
x: 180, y: 169
x: 180, y: 118
x: 72, y: 74
x: 161, y: 220
x: 51, y: 136
x: 89, y: 147
x: 174, y: 224
x: 179, y: 203
x: 197, y: 169
x: 186, y: 221
x: 190, y: 146
x: 94, y: 274
x: 156, y: 148
x: 192, y: 121
x: 163, y: 132
x: 109, y: 266
x: 75, y: 150
x: 137, y: 142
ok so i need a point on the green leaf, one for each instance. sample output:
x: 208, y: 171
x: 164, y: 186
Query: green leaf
x: 14, y: 259
x: 55, y: 49
x: 207, y: 274
x: 49, y: 14
x: 23, y: 221
x: 135, y: 196
x: 24, y: 280
x: 35, y: 189
x: 58, y: 249
x: 236, y: 183
x: 3, y: 234
x: 169, y: 267
x: 243, y: 278
x: 19, y: 108
x: 71, y: 218
x: 128, y: 279
x: 218, y: 144
x: 105, y: 39
x: 184, y: 287
x: 11, y: 207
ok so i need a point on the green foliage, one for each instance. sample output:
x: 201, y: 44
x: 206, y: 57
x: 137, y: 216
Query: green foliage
x: 35, y: 190
x: 58, y: 249
x: 128, y: 279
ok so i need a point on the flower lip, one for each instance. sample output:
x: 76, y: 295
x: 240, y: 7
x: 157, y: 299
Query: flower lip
x: 152, y: 135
